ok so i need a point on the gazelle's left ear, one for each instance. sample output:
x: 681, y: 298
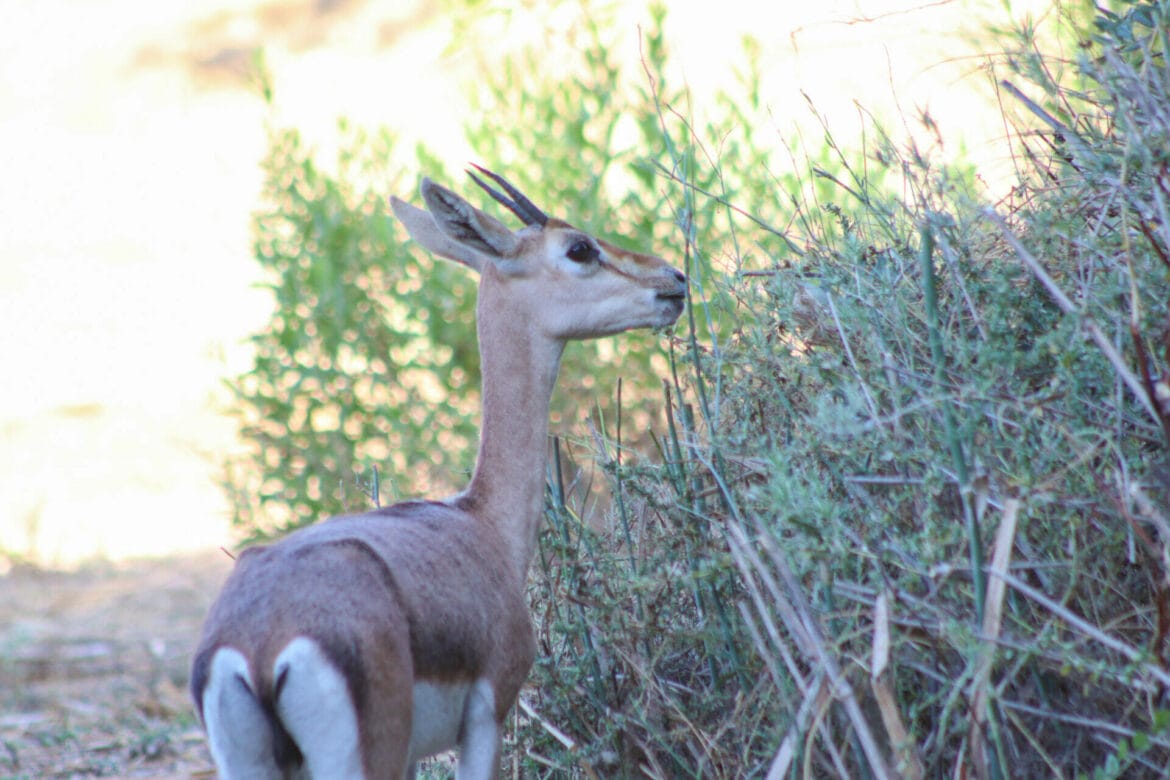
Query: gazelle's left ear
x: 468, y: 225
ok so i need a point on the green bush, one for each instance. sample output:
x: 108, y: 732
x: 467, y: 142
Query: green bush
x: 899, y: 389
x: 357, y: 374
x: 876, y: 395
x: 909, y: 389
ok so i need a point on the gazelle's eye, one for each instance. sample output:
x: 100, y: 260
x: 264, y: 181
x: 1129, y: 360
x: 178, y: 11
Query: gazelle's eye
x: 581, y: 252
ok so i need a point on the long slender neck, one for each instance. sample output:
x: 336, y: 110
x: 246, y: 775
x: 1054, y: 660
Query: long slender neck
x: 519, y: 368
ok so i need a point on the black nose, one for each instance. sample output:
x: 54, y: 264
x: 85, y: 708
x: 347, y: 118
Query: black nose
x: 679, y: 275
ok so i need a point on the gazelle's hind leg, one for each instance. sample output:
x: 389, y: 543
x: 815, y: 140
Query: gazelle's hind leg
x: 313, y: 703
x: 479, y: 745
x: 238, y: 730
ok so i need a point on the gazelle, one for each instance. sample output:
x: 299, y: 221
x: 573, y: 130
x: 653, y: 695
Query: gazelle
x: 355, y: 647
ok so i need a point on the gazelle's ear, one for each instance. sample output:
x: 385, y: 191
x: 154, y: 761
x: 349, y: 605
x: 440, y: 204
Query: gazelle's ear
x: 422, y: 228
x: 455, y: 229
x: 467, y: 224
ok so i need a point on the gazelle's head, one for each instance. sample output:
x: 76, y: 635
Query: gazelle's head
x: 571, y: 284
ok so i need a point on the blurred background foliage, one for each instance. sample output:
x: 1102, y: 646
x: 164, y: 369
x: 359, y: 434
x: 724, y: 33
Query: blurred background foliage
x: 890, y: 500
x: 356, y: 370
x: 359, y: 371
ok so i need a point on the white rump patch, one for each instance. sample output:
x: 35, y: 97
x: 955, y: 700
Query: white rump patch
x: 316, y: 709
x: 238, y: 732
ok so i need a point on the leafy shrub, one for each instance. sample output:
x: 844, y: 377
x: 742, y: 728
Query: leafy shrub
x: 356, y: 371
x: 895, y: 528
x: 912, y: 421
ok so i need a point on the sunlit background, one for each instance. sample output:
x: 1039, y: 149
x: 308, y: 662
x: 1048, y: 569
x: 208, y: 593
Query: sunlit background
x: 130, y: 137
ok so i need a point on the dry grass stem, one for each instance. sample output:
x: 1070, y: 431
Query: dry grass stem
x: 907, y: 762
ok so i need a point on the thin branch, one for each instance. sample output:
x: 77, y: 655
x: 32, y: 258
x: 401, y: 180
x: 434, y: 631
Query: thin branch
x: 1066, y: 305
x: 726, y: 203
x: 1084, y: 626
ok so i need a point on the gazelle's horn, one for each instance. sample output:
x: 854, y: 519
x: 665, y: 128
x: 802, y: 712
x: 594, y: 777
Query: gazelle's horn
x: 518, y: 204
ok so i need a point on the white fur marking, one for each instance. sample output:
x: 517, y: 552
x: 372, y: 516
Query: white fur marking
x: 480, y: 745
x: 238, y: 732
x: 438, y: 714
x: 315, y: 707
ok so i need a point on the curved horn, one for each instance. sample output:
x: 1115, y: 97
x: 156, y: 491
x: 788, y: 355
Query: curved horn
x: 518, y: 204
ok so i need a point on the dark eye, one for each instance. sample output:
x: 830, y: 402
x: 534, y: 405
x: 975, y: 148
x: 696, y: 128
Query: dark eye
x: 581, y: 252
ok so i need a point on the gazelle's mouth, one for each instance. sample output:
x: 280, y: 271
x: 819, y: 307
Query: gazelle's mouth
x: 674, y: 303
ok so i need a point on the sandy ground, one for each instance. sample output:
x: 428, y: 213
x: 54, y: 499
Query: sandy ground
x: 93, y: 669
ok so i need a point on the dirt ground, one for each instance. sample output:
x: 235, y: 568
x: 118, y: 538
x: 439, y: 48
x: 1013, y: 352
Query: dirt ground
x: 94, y: 668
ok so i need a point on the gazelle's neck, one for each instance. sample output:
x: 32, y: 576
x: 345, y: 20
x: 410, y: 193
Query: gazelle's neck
x: 519, y: 366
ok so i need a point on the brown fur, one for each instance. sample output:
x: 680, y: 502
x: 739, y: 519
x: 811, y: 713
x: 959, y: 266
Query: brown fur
x: 342, y: 575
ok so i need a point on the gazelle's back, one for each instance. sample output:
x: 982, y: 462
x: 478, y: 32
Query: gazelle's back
x: 341, y: 577
x: 347, y: 565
